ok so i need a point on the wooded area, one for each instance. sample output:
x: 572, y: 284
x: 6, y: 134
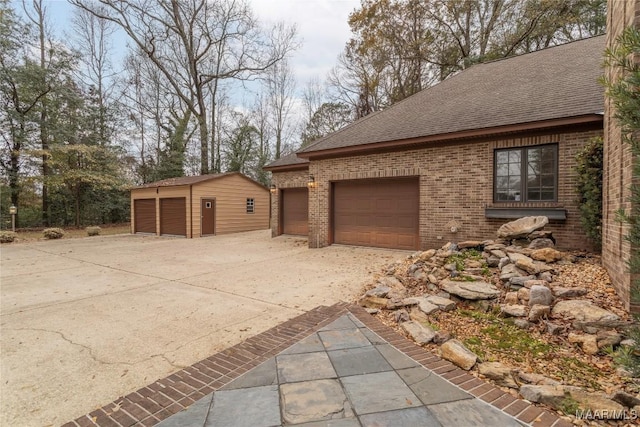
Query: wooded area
x: 77, y: 130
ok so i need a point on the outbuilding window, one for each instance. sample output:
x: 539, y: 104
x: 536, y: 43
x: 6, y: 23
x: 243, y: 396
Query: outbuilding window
x: 526, y: 174
x: 250, y: 205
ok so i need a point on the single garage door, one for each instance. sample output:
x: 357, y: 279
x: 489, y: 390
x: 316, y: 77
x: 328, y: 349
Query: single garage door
x: 173, y: 216
x: 295, y: 211
x: 145, y: 215
x: 378, y: 212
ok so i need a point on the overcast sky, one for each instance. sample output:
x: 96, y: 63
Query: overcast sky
x: 322, y: 29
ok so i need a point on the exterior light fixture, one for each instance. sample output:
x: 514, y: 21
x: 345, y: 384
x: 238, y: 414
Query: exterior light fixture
x: 272, y: 188
x: 312, y: 182
x: 13, y: 211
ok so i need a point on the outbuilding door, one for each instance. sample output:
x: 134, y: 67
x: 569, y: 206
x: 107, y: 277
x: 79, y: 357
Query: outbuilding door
x: 208, y: 217
x: 377, y: 212
x: 173, y: 216
x: 144, y: 216
x: 295, y: 211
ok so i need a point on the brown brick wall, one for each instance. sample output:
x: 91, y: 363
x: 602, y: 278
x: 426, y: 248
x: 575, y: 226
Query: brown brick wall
x: 617, y: 167
x: 298, y: 178
x: 456, y: 183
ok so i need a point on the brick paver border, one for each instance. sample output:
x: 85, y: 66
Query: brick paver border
x: 167, y: 396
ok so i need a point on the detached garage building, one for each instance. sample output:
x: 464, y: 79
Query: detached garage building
x: 197, y: 206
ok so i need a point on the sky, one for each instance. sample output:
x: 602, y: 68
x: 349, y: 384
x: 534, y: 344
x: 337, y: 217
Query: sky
x: 322, y: 29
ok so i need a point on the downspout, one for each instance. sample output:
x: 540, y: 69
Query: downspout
x: 191, y: 211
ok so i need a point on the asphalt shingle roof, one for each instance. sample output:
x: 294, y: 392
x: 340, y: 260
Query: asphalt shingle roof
x: 188, y: 180
x: 554, y: 83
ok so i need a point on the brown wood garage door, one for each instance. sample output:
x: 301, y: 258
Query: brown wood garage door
x: 378, y: 212
x: 173, y: 216
x: 295, y: 211
x: 145, y: 216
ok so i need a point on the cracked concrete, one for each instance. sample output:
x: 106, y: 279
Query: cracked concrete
x: 85, y: 321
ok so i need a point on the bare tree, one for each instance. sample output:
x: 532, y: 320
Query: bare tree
x: 280, y: 88
x: 183, y: 38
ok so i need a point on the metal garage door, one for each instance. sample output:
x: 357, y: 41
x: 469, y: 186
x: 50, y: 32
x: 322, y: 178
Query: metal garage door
x: 145, y: 215
x: 378, y: 212
x: 173, y: 216
x: 295, y: 211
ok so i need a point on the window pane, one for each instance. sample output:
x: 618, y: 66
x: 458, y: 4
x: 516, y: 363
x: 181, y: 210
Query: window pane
x: 514, y: 156
x: 547, y: 195
x: 502, y: 169
x: 533, y: 195
x: 502, y: 157
x: 514, y: 169
x: 548, y: 181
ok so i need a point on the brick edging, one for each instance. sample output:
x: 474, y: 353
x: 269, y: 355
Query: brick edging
x: 170, y: 395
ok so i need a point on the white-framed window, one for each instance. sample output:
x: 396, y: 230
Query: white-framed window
x: 251, y: 205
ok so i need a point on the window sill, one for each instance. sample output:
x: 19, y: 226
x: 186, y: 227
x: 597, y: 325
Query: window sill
x: 515, y: 213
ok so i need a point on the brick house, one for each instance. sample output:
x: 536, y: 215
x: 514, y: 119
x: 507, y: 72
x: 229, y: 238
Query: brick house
x: 618, y: 174
x: 453, y: 162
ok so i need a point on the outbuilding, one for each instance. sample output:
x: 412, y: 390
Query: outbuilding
x: 198, y: 206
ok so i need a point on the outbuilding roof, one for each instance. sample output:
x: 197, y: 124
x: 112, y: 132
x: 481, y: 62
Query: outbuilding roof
x: 190, y: 180
x: 549, y: 87
x: 290, y: 161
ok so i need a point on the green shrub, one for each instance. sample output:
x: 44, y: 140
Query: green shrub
x: 7, y: 236
x: 589, y: 187
x: 53, y: 233
x: 93, y: 231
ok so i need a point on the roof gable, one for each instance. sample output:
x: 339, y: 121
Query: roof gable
x: 191, y: 180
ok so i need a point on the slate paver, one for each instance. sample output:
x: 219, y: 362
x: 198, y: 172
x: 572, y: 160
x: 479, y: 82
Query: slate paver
x: 311, y: 401
x: 396, y: 359
x: 344, y: 422
x: 343, y: 322
x: 419, y: 416
x: 382, y: 391
x: 261, y: 375
x: 343, y: 338
x: 471, y: 412
x: 194, y: 415
x: 246, y: 407
x: 431, y: 388
x: 360, y: 360
x: 304, y: 367
x: 310, y: 344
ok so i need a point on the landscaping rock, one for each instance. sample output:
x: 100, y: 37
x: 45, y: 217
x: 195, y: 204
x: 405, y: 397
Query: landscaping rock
x: 541, y: 243
x: 547, y: 255
x: 524, y: 294
x: 441, y: 337
x: 587, y: 342
x: 513, y: 310
x: 625, y: 399
x: 527, y: 264
x: 541, y: 234
x: 503, y: 262
x: 455, y: 352
x: 427, y: 255
x: 536, y: 379
x: 562, y: 292
x: 582, y: 310
x: 445, y: 304
x: 391, y: 282
x: 511, y: 298
x: 554, y: 328
x: 401, y: 316
x: 522, y: 227
x: 522, y: 323
x: 540, y: 295
x: 499, y: 373
x: 419, y: 333
x: 552, y: 395
x: 470, y: 244
x: 470, y: 290
x: 533, y: 282
x: 546, y: 276
x: 373, y: 302
x: 556, y: 397
x: 608, y: 339
x: 515, y: 256
x: 498, y: 253
x: 538, y: 311
x: 379, y: 291
x: 521, y: 280
x: 432, y: 279
x: 509, y: 271
x: 417, y: 315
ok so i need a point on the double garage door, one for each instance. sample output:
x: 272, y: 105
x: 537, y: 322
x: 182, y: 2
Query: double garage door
x: 377, y: 212
x: 173, y: 216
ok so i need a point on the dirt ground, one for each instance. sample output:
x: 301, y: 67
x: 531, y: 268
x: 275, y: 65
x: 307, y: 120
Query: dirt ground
x: 84, y: 321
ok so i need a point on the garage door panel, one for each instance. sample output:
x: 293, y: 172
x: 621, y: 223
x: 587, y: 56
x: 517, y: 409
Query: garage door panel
x: 145, y: 215
x: 295, y: 211
x: 380, y: 213
x: 173, y: 216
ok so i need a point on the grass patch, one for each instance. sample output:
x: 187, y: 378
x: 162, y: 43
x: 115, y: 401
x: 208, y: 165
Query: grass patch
x: 574, y: 370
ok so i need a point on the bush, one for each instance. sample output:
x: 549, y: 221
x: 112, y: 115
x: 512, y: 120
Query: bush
x: 589, y: 187
x: 53, y: 233
x: 93, y: 231
x: 7, y: 236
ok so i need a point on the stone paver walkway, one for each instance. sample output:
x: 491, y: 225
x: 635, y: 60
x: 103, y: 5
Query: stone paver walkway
x: 345, y: 370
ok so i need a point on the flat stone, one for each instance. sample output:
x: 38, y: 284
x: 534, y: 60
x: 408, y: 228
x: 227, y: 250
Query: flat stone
x: 608, y: 339
x: 470, y: 290
x: 379, y: 291
x: 471, y: 412
x: 562, y: 292
x: 455, y: 352
x: 522, y: 323
x: 307, y: 345
x: 396, y: 359
x: 247, y: 407
x: 338, y: 340
x: 534, y: 281
x: 511, y: 298
x: 523, y: 294
x: 536, y: 379
x: 310, y: 401
x: 555, y: 396
x: 527, y: 264
x: 522, y: 227
x: 364, y: 392
x: 513, y: 310
x: 419, y: 333
x: 445, y: 304
x: 430, y: 387
x: 517, y: 256
x: 262, y: 375
x: 357, y: 361
x: 521, y: 280
x: 583, y: 311
x: 498, y: 253
x: 541, y: 243
x: 402, y: 417
x: 295, y: 367
x: 588, y: 342
x: 470, y: 244
x: 493, y: 261
x: 194, y: 415
x: 369, y: 301
x: 426, y: 255
x: 538, y: 311
x: 391, y: 282
x: 547, y: 254
x: 498, y: 372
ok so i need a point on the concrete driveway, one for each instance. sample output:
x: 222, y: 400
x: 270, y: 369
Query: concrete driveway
x: 85, y: 321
